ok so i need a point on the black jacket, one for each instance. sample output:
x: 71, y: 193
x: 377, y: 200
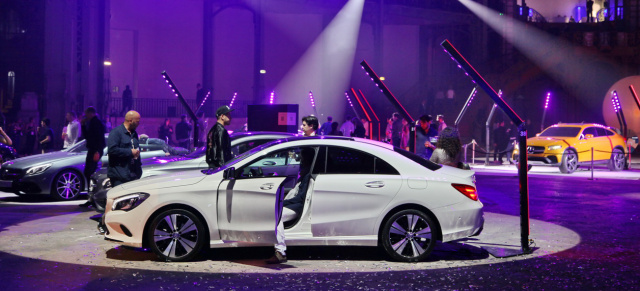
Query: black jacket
x: 218, y: 146
x: 122, y: 166
x: 93, y: 132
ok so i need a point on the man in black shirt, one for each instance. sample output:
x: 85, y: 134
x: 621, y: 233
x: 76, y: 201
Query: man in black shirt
x: 218, y: 141
x: 183, y: 128
x: 124, y: 151
x: 92, y: 131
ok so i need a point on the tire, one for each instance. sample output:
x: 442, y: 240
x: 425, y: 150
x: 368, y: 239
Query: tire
x: 67, y: 185
x: 171, y: 240
x: 408, y: 236
x: 569, y: 162
x: 617, y: 160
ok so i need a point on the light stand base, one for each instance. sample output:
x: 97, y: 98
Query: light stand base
x: 505, y: 252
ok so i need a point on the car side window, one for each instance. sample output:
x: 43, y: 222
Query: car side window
x: 601, y: 131
x: 609, y: 132
x: 349, y: 161
x: 280, y: 163
x: 589, y: 130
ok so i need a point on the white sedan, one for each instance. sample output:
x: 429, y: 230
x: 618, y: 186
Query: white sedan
x: 361, y: 193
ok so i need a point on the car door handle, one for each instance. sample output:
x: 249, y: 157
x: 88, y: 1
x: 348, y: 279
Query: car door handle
x: 267, y: 186
x: 375, y: 184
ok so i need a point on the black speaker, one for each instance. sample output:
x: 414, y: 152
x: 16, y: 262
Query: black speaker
x: 273, y: 117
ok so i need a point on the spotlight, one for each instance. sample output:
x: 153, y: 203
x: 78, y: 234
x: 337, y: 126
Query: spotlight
x: 107, y: 63
x: 263, y: 71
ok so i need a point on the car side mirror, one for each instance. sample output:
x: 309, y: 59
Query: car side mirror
x: 537, y: 134
x: 588, y: 136
x: 229, y: 174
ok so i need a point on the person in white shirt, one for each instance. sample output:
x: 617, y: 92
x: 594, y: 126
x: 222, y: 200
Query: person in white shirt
x: 347, y: 127
x: 72, y: 131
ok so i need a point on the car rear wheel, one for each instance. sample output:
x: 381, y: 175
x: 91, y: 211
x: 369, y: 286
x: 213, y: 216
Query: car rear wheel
x: 569, y: 162
x: 67, y: 185
x: 176, y: 235
x: 617, y: 160
x: 408, y: 236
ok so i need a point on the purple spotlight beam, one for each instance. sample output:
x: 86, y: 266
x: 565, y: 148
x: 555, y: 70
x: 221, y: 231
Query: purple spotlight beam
x: 522, y: 142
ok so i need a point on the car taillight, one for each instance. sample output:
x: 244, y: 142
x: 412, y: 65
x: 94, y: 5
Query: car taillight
x: 467, y: 190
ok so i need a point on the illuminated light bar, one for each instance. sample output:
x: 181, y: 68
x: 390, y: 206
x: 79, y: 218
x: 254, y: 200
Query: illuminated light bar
x: 313, y: 103
x: 374, y: 115
x: 635, y: 95
x: 615, y: 101
x: 546, y: 103
x: 273, y: 94
x: 346, y: 94
x: 176, y: 92
x: 477, y: 79
x: 466, y: 106
x: 360, y: 103
x: 235, y: 94
x: 383, y: 88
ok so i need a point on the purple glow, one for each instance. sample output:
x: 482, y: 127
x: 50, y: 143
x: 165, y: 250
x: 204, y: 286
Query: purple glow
x: 546, y: 103
x: 273, y: 93
x: 313, y: 103
x: 163, y: 161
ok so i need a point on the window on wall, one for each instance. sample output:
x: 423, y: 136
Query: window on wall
x: 349, y: 161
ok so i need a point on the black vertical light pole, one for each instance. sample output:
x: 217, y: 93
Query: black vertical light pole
x: 635, y: 95
x: 487, y: 126
x: 466, y: 106
x: 193, y: 116
x: 522, y: 138
x: 374, y: 115
x: 394, y: 101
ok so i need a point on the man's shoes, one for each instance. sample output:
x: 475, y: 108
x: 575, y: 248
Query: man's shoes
x: 102, y: 228
x: 86, y: 204
x: 278, y: 258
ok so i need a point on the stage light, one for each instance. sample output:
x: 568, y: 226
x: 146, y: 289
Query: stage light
x: 235, y: 94
x: 383, y: 88
x: 382, y: 78
x: 107, y: 63
x: 546, y: 103
x: 263, y: 71
x: 273, y: 93
x: 346, y: 94
x: 544, y: 112
x: 313, y: 103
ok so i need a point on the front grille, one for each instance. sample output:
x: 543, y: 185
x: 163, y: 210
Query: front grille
x: 535, y: 150
x: 11, y: 174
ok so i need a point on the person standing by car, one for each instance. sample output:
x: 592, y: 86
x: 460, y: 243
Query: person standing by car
x: 45, y: 136
x: 92, y: 130
x: 425, y: 133
x: 72, y: 130
x: 296, y: 202
x: 218, y: 141
x: 124, y: 151
x: 165, y: 131
x: 183, y: 130
x: 448, y: 148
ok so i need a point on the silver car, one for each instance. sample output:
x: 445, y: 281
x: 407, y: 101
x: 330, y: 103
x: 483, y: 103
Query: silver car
x: 60, y: 174
x: 240, y: 143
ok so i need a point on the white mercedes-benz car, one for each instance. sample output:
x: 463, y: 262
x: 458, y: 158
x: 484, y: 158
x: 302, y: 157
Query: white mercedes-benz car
x: 361, y: 193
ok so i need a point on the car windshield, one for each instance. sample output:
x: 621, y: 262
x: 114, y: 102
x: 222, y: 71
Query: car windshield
x: 199, y: 152
x: 79, y: 147
x: 561, y: 131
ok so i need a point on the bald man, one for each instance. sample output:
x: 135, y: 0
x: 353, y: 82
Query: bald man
x: 124, y: 151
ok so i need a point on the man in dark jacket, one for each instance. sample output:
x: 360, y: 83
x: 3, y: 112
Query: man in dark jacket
x: 218, y: 141
x: 183, y: 132
x: 124, y: 151
x: 92, y: 131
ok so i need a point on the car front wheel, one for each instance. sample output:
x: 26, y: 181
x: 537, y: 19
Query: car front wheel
x: 67, y: 185
x: 569, y: 162
x: 617, y: 160
x: 408, y: 236
x: 176, y: 235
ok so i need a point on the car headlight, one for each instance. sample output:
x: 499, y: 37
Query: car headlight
x: 554, y: 147
x: 129, y: 201
x: 38, y: 169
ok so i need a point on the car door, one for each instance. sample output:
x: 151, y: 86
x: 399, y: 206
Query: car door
x: 351, y: 193
x: 585, y: 143
x: 247, y: 204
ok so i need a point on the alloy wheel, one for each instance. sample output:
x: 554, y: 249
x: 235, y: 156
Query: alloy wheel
x: 68, y: 185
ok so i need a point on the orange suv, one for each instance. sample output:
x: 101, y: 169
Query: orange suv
x: 568, y: 145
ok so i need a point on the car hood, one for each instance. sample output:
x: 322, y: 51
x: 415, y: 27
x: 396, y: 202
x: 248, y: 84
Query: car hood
x: 30, y: 161
x: 544, y: 140
x: 165, y: 181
